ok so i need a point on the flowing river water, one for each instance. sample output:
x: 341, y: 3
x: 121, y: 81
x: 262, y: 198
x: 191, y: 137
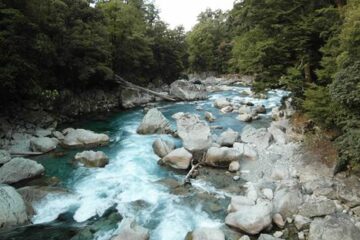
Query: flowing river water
x: 132, y: 181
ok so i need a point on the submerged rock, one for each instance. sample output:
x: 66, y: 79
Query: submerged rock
x: 12, y: 207
x: 179, y: 159
x: 43, y: 144
x: 77, y: 138
x: 92, y: 159
x: 188, y: 91
x: 162, y: 147
x: 20, y: 169
x: 194, y: 133
x: 130, y: 230
x: 207, y: 234
x: 221, y: 157
x: 154, y: 122
x: 251, y: 219
x: 333, y: 228
x: 234, y: 166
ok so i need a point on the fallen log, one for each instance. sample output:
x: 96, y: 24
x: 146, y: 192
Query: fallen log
x: 27, y: 153
x: 120, y: 80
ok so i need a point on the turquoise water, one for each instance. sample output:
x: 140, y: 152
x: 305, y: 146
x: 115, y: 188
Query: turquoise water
x: 133, y: 175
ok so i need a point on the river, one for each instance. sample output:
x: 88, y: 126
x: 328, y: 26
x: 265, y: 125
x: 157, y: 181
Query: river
x: 133, y: 181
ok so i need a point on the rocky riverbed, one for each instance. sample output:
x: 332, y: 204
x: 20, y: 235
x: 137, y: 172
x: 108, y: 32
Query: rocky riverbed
x: 223, y: 163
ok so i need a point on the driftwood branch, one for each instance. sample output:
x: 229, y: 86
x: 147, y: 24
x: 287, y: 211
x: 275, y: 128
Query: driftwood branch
x: 122, y: 81
x: 193, y: 168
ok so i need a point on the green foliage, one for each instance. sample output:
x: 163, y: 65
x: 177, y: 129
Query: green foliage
x: 67, y: 44
x: 209, y: 50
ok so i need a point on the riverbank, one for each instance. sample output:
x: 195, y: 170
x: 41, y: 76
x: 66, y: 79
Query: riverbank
x: 258, y: 164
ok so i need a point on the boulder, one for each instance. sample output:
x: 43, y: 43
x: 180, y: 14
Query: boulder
x: 245, y: 117
x: 179, y: 159
x: 287, y: 199
x: 301, y: 222
x: 333, y: 228
x: 278, y: 135
x: 154, y: 122
x: 78, y: 138
x: 12, y: 207
x: 260, y: 137
x: 317, y: 208
x: 188, y: 91
x: 247, y: 152
x: 268, y: 193
x: 194, y: 133
x: 162, y: 147
x: 20, y: 169
x: 268, y: 237
x: 260, y: 109
x: 277, y: 114
x: 228, y: 138
x: 207, y: 234
x: 221, y: 103
x: 43, y: 144
x: 58, y: 135
x: 4, y: 157
x: 234, y: 166
x: 133, y: 98
x: 92, y: 158
x: 129, y: 230
x: 43, y: 132
x: 238, y: 202
x: 221, y: 157
x: 251, y: 219
x: 209, y: 117
x: 278, y: 220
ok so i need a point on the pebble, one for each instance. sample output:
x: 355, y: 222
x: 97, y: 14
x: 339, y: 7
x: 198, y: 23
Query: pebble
x: 289, y: 220
x: 278, y: 234
x: 236, y: 178
x: 301, y: 235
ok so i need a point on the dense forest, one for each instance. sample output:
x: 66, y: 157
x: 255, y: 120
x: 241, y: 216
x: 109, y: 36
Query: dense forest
x: 309, y: 47
x: 47, y: 45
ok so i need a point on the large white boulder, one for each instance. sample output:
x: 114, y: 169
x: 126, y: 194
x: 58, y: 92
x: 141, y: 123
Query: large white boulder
x: 12, y: 207
x: 221, y: 157
x: 20, y: 169
x: 77, y: 138
x: 92, y: 158
x: 154, y: 122
x: 251, y: 219
x: 179, y: 159
x: 194, y: 133
x: 188, y: 91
